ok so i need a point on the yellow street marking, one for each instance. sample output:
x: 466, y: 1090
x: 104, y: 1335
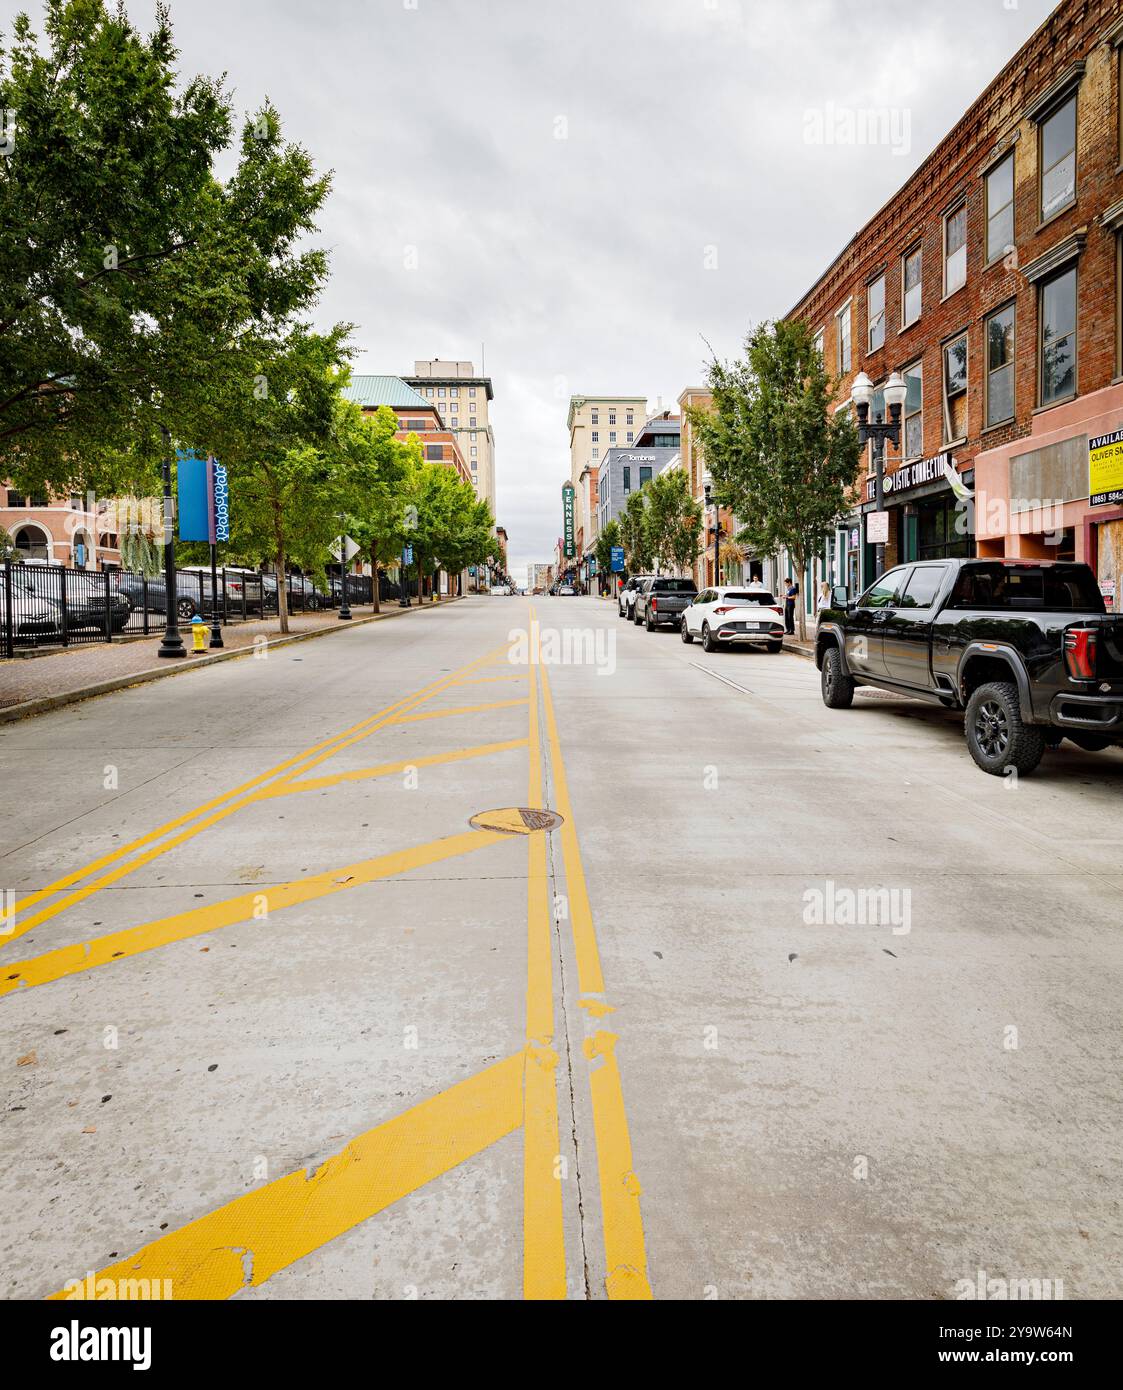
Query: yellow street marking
x: 543, y: 1231
x: 85, y: 955
x: 487, y: 680
x: 248, y: 1240
x: 311, y: 784
x: 300, y: 763
x: 463, y: 709
x: 625, y: 1253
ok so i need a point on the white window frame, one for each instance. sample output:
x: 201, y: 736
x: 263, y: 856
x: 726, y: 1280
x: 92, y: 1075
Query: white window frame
x: 960, y: 207
x: 918, y: 252
x: 845, y: 310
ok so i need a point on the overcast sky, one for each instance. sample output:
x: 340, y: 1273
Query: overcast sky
x: 582, y: 262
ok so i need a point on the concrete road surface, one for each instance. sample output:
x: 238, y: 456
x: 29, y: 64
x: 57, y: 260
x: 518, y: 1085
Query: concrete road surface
x: 305, y: 995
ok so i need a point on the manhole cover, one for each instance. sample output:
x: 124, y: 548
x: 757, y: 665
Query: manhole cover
x: 516, y: 820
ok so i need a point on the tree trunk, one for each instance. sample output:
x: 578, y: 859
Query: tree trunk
x: 279, y: 559
x: 374, y: 575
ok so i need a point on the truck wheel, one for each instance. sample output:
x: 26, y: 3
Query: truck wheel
x: 686, y: 634
x: 996, y: 735
x: 648, y: 623
x: 837, y: 686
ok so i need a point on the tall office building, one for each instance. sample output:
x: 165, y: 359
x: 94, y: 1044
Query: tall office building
x: 463, y: 400
x: 596, y: 424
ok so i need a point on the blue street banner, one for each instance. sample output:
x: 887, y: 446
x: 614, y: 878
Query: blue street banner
x: 407, y: 555
x: 617, y: 558
x: 203, y: 498
x: 193, y: 508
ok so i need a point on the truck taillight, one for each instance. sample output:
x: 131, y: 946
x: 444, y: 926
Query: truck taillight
x: 654, y: 604
x: 1080, y: 652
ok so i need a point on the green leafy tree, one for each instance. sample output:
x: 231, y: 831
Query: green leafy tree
x: 634, y: 534
x: 379, y: 465
x: 779, y: 456
x: 608, y: 537
x: 284, y: 434
x: 135, y: 282
x: 673, y: 520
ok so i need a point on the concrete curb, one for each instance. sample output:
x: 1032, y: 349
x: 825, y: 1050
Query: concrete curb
x: 27, y: 709
x: 793, y: 650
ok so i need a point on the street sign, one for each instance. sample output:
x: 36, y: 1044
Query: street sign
x: 567, y: 519
x: 1105, y: 469
x: 617, y: 558
x: 350, y: 549
x: 407, y: 555
x: 877, y: 528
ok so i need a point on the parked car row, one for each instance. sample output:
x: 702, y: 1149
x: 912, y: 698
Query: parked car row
x: 725, y: 616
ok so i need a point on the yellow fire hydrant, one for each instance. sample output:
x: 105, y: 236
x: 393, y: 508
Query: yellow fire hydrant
x: 198, y: 634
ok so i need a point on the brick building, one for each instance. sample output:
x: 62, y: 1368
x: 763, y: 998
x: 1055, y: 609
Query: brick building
x: 416, y: 415
x: 991, y: 281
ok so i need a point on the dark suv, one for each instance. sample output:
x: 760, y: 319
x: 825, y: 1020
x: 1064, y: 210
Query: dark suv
x: 1024, y: 647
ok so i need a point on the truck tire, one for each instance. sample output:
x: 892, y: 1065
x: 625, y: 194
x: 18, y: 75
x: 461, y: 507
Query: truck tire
x: 648, y: 623
x: 836, y: 685
x: 687, y: 636
x: 996, y: 735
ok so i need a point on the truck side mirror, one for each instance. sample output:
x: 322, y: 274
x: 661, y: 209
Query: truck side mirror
x: 840, y: 596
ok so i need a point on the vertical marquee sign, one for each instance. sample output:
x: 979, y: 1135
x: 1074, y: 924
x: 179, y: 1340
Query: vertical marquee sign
x: 567, y: 520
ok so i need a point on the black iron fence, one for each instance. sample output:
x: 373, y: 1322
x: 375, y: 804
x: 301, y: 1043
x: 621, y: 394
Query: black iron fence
x: 53, y: 605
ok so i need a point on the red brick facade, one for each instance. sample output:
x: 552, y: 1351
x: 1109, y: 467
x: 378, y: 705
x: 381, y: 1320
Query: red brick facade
x: 1075, y: 52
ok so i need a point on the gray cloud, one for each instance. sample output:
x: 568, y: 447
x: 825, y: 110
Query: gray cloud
x: 580, y: 261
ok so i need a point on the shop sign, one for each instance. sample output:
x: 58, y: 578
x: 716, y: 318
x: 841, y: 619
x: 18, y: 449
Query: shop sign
x: 567, y: 519
x: 1105, y: 469
x: 877, y: 528
x: 910, y: 475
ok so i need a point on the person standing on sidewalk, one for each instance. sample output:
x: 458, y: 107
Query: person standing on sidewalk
x: 791, y: 593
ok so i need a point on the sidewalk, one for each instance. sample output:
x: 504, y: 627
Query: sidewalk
x: 31, y: 685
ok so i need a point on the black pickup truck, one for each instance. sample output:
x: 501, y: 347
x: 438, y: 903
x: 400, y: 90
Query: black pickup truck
x: 1025, y: 647
x: 660, y: 602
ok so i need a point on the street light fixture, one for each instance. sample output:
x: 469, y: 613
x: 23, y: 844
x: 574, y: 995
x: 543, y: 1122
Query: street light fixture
x: 861, y: 394
x: 717, y: 533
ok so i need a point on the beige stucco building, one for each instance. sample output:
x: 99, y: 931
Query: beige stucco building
x: 464, y: 402
x: 596, y: 424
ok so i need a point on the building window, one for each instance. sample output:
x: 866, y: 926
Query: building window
x: 875, y: 314
x: 1000, y: 366
x: 434, y: 452
x: 818, y: 345
x: 955, y: 390
x: 440, y: 390
x: 644, y: 475
x: 1000, y: 209
x: 596, y: 417
x: 471, y: 390
x: 612, y: 436
x: 914, y: 411
x: 842, y: 319
x: 612, y: 417
x: 955, y: 249
x: 1056, y: 143
x: 473, y: 451
x: 911, y: 291
x: 1057, y: 338
x: 472, y: 422
x: 454, y: 390
x: 596, y: 436
x: 631, y: 436
x: 630, y: 420
x: 627, y: 478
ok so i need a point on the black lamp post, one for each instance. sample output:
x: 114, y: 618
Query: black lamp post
x: 172, y: 643
x: 717, y: 536
x: 861, y: 393
x: 344, y: 609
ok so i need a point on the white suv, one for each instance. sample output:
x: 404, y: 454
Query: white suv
x: 740, y: 613
x: 626, y: 601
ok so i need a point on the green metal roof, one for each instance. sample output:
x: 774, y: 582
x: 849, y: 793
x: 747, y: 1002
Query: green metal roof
x: 385, y: 390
